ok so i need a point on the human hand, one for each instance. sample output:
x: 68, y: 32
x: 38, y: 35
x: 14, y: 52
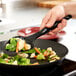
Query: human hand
x: 55, y: 14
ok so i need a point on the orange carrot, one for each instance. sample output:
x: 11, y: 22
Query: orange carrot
x: 25, y: 46
x: 36, y: 63
x: 6, y: 61
x: 17, y: 46
x: 35, y: 56
x: 45, y: 53
x: 37, y: 50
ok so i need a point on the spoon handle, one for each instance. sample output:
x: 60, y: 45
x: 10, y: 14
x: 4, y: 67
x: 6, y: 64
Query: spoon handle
x: 46, y: 30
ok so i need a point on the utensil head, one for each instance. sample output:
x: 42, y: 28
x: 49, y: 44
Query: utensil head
x: 13, y: 53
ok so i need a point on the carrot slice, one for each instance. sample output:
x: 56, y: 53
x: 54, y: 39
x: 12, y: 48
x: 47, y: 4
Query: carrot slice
x: 37, y: 50
x: 45, y: 53
x: 6, y: 61
x: 25, y: 46
x: 17, y: 46
x: 35, y: 56
x: 35, y: 63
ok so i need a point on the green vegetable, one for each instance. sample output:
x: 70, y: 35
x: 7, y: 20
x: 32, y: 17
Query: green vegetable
x: 11, y: 60
x: 2, y: 60
x: 43, y: 50
x: 40, y: 56
x: 23, y: 61
x: 16, y: 57
x: 49, y: 59
x: 31, y: 51
x: 4, y: 56
x: 13, y: 41
x: 12, y: 45
x: 23, y: 49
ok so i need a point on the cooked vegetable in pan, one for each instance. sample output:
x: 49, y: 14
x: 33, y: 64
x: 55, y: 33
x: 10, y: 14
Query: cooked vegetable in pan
x: 26, y: 56
x: 17, y: 44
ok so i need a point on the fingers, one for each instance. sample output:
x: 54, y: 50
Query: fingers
x: 45, y: 20
x: 59, y: 28
x: 62, y: 24
x: 51, y: 21
x: 48, y: 20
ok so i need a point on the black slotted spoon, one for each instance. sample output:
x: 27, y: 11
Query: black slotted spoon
x: 30, y: 39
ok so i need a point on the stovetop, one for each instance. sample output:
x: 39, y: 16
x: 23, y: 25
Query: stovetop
x: 66, y: 67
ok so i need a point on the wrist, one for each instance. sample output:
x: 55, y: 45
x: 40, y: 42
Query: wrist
x: 69, y: 8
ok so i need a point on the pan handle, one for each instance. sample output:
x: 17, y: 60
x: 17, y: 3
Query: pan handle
x: 46, y: 30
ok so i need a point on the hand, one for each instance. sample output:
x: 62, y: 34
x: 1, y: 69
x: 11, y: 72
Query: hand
x: 55, y: 14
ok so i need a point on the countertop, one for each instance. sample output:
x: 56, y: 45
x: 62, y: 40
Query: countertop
x: 16, y: 15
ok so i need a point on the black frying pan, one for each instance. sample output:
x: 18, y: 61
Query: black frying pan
x: 30, y: 70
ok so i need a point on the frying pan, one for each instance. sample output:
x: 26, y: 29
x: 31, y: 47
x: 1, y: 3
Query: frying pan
x: 30, y: 70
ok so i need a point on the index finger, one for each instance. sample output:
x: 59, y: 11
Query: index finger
x: 45, y: 20
x: 51, y: 20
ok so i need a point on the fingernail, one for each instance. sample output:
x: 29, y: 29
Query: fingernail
x: 47, y: 25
